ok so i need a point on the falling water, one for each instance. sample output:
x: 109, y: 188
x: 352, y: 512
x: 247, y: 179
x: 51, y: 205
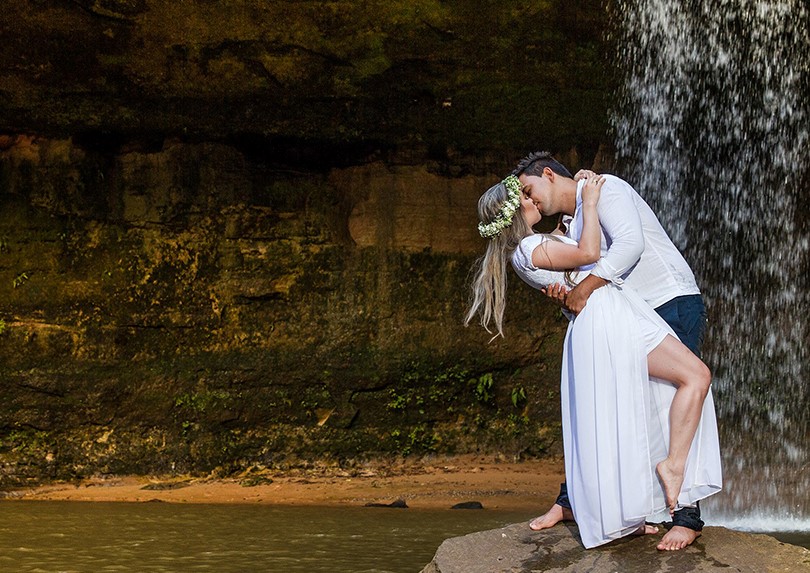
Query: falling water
x: 713, y: 128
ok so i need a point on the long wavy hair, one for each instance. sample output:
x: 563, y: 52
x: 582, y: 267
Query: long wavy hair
x: 488, y: 298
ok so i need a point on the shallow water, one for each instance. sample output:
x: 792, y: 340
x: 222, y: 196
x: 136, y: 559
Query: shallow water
x: 155, y: 537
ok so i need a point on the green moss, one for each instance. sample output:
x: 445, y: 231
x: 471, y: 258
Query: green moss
x: 26, y: 442
x: 518, y: 396
x: 419, y: 439
x: 201, y: 401
x: 482, y: 388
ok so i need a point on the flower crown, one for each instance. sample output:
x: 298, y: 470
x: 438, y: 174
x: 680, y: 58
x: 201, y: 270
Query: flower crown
x: 504, y: 218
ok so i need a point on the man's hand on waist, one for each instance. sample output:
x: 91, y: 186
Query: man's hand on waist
x: 578, y: 297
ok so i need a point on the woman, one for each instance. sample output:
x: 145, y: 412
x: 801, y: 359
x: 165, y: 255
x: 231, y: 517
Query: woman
x: 634, y: 444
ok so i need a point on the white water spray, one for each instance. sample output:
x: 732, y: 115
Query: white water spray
x: 713, y: 129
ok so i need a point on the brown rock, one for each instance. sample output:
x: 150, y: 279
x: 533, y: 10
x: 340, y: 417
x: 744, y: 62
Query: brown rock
x: 359, y: 72
x: 188, y: 309
x: 517, y: 549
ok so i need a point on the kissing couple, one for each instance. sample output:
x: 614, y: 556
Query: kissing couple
x: 639, y: 427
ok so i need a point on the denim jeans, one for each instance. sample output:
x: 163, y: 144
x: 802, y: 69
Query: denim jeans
x: 686, y: 315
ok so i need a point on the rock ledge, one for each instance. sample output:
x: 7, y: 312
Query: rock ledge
x: 517, y: 549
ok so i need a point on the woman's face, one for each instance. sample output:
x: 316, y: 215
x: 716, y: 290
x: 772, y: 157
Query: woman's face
x: 529, y: 211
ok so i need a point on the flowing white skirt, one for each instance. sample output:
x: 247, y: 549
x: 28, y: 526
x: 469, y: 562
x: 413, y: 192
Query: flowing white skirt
x: 616, y: 420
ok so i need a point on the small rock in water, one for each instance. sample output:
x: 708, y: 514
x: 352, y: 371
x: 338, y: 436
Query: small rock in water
x: 398, y: 503
x: 468, y: 505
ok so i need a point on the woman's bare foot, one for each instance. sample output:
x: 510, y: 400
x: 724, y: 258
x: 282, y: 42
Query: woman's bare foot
x: 677, y: 538
x: 645, y: 529
x: 671, y: 480
x: 552, y: 517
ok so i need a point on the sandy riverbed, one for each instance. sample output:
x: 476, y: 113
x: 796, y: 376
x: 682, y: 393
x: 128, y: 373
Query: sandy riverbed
x: 431, y: 483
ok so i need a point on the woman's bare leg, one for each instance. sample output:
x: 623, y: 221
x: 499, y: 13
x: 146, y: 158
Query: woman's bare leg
x: 674, y: 362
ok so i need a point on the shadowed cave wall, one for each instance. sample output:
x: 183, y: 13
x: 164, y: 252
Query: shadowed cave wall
x: 239, y: 234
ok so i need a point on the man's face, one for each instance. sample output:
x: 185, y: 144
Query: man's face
x: 539, y: 190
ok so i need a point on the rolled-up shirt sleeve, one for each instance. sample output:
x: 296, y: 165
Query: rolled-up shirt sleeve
x: 621, y: 224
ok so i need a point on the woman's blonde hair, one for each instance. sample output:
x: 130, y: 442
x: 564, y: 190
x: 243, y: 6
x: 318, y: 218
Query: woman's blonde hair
x: 489, y: 285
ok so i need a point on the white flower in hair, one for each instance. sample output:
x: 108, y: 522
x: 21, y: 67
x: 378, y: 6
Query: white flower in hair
x: 504, y: 218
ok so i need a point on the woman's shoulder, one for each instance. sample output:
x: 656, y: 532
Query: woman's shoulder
x: 524, y: 267
x: 523, y: 254
x: 529, y: 243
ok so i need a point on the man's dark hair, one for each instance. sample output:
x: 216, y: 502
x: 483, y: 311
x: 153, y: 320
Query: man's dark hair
x: 534, y: 163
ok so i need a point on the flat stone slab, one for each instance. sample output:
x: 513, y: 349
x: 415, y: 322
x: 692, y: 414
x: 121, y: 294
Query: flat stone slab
x: 518, y: 549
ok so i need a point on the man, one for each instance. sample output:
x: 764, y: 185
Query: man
x: 636, y: 251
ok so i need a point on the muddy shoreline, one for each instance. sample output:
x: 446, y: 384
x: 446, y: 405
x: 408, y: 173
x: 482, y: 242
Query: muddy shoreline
x: 429, y: 484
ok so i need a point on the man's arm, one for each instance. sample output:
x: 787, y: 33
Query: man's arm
x: 577, y: 298
x: 621, y: 223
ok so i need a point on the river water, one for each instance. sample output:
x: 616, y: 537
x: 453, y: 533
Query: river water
x: 158, y: 537
x: 65, y: 537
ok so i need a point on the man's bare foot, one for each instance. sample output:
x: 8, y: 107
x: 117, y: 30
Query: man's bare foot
x: 671, y: 480
x: 677, y: 538
x: 552, y: 517
x: 645, y: 529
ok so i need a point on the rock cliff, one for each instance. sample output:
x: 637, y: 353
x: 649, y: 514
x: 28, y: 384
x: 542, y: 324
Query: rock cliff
x: 185, y: 309
x: 238, y: 234
x: 451, y: 78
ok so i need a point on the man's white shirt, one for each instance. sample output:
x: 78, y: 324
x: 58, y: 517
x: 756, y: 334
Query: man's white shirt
x: 636, y: 251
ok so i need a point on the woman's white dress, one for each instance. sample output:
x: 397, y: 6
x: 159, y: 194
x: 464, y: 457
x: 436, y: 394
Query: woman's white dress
x: 615, y: 416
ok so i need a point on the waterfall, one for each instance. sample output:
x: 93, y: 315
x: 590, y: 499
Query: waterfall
x: 713, y: 129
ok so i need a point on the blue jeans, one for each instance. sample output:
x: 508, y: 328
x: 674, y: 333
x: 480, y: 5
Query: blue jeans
x: 686, y: 315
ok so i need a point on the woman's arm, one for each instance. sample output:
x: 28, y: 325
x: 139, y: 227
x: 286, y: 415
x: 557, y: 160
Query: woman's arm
x: 558, y: 256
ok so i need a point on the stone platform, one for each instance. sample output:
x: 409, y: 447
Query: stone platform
x: 517, y: 549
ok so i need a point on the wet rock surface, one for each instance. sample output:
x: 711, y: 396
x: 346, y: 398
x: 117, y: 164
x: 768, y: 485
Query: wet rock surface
x: 517, y: 549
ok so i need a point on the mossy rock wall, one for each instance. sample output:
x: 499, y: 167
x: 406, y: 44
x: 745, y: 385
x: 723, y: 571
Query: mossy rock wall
x: 187, y: 309
x: 448, y: 78
x: 238, y: 234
